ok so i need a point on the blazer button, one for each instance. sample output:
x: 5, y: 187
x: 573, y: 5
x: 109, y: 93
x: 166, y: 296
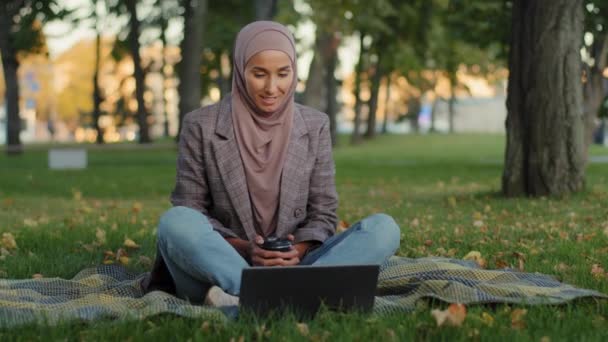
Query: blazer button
x: 297, y: 212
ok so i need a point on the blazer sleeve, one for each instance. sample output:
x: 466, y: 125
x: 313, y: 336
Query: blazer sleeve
x: 191, y: 187
x: 321, y: 218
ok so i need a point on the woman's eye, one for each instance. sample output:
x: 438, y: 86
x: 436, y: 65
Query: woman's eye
x: 258, y: 75
x: 283, y: 75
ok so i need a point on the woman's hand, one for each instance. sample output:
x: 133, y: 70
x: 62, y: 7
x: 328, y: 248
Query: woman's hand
x: 262, y: 257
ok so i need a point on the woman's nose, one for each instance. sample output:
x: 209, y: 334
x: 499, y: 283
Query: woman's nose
x: 271, y: 85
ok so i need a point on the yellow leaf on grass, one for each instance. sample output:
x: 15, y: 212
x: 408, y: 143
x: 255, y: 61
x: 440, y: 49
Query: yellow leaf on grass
x: 517, y: 318
x: 598, y: 271
x: 453, y: 316
x: 100, y: 234
x: 487, y: 319
x: 302, y: 329
x: 130, y: 244
x: 342, y: 226
x: 476, y: 256
x: 37, y: 276
x: 124, y: 260
x: 137, y: 206
x: 8, y: 241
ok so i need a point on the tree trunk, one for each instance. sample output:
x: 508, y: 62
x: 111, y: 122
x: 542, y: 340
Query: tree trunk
x: 356, y: 137
x: 222, y: 82
x: 386, y: 103
x: 373, y: 101
x: 451, y: 110
x: 546, y: 149
x: 332, y: 91
x: 96, y: 90
x: 191, y: 47
x: 321, y: 88
x: 315, y: 93
x: 142, y: 114
x: 434, y: 114
x: 163, y: 39
x: 10, y: 65
x: 265, y: 9
x: 594, y: 86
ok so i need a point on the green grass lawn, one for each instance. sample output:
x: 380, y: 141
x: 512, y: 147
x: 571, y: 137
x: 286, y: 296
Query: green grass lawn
x: 443, y: 190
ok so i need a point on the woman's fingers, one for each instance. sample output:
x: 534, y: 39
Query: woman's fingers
x: 275, y: 261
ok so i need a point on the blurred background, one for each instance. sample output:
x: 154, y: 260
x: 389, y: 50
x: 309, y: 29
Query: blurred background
x: 107, y: 71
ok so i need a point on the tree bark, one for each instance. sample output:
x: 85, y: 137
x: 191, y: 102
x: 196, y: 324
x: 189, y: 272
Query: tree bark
x: 386, y: 103
x: 315, y: 93
x: 191, y: 47
x: 546, y: 149
x: 265, y: 9
x: 356, y: 137
x: 594, y: 87
x: 332, y: 91
x: 451, y: 110
x: 373, y: 101
x: 10, y: 65
x: 321, y: 88
x: 163, y: 39
x: 96, y: 90
x: 142, y: 113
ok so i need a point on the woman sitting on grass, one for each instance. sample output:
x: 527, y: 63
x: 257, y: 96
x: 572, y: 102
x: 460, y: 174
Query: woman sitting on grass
x: 253, y: 166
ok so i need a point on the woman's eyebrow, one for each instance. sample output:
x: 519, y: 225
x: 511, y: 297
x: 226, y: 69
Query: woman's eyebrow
x: 259, y: 68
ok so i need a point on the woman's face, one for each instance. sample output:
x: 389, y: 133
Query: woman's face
x: 268, y: 75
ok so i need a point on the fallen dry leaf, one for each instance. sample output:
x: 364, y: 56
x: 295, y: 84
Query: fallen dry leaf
x: 487, y: 319
x: 130, y: 244
x: 205, y: 326
x: 122, y: 256
x: 137, y: 206
x: 8, y: 241
x: 453, y: 316
x: 476, y: 256
x: 598, y: 271
x: 302, y: 329
x: 342, y: 226
x: 517, y: 318
x: 124, y: 260
x: 76, y: 194
x: 37, y: 276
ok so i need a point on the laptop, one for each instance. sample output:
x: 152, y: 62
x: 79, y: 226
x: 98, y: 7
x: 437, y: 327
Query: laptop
x: 302, y: 290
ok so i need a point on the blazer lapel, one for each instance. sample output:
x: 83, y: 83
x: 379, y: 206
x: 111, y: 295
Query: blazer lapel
x: 231, y: 168
x: 297, y: 152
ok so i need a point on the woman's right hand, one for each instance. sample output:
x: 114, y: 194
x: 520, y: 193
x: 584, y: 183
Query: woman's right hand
x: 262, y: 257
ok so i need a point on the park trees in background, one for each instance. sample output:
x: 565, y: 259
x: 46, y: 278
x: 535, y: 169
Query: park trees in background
x: 546, y: 144
x: 191, y: 46
x: 21, y: 32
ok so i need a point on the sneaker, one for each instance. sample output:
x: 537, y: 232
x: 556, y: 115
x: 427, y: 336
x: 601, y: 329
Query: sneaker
x: 216, y: 297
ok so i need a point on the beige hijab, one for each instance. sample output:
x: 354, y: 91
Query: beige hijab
x: 262, y: 138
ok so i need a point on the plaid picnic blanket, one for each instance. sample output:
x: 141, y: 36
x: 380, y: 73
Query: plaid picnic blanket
x: 111, y: 291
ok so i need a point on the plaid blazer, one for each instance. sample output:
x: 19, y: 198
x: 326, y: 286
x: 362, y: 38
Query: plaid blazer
x: 211, y: 178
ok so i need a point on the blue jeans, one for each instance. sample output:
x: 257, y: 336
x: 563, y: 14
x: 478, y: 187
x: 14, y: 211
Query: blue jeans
x: 197, y: 256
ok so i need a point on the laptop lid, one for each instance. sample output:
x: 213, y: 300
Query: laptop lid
x: 302, y: 289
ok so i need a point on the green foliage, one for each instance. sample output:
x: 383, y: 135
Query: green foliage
x: 27, y: 16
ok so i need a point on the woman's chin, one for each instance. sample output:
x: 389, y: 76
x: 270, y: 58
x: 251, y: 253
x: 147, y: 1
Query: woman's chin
x: 267, y: 108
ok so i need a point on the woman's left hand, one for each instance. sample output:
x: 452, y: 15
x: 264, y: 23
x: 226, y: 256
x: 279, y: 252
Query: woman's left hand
x: 301, y: 247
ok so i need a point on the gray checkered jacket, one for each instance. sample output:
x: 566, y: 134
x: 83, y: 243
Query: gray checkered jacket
x: 211, y: 179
